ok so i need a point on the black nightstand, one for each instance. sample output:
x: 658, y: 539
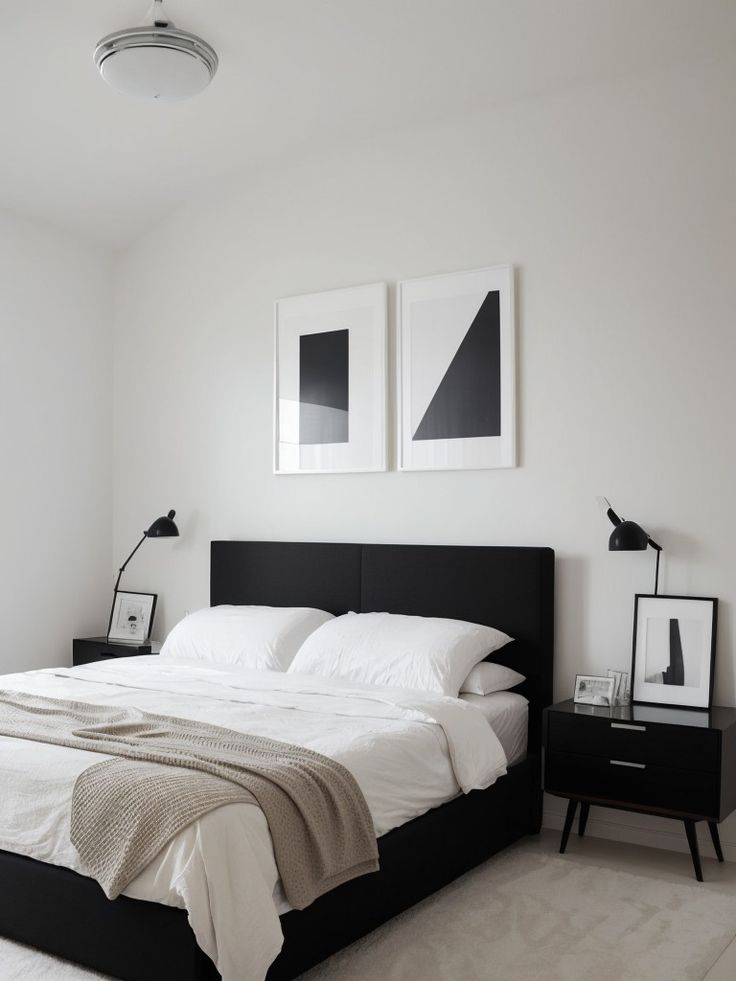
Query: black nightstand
x: 88, y: 649
x: 677, y: 763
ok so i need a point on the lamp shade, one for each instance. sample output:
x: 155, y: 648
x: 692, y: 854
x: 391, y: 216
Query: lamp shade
x: 164, y: 527
x: 627, y: 537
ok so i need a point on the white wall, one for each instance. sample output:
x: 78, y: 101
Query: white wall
x: 615, y: 204
x: 55, y: 430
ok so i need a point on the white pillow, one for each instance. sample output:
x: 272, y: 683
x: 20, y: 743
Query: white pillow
x: 396, y: 651
x: 261, y: 638
x: 488, y: 677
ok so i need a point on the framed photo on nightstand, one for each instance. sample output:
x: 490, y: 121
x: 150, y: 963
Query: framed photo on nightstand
x: 592, y: 689
x: 132, y: 617
x: 674, y: 650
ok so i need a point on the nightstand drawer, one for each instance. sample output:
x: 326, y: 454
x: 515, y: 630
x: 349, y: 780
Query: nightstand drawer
x: 633, y: 782
x: 90, y: 656
x: 686, y: 748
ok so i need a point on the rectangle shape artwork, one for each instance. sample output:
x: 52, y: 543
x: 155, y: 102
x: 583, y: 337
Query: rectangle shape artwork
x: 330, y: 381
x: 324, y: 387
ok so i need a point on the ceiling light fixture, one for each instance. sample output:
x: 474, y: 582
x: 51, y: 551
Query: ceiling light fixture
x: 158, y: 61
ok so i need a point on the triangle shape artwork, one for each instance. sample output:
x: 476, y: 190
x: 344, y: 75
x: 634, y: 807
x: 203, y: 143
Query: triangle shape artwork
x: 467, y: 402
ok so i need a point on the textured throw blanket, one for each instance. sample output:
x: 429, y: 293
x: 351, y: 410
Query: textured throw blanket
x: 168, y: 772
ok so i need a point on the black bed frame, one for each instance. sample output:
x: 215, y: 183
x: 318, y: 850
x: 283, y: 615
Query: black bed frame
x: 67, y: 914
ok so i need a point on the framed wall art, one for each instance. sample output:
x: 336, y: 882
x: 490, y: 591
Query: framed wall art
x: 456, y: 371
x: 674, y: 650
x: 330, y: 381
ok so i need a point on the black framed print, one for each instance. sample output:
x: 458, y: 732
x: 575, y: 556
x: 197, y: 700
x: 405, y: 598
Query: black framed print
x: 456, y: 371
x: 132, y: 616
x: 330, y: 381
x: 674, y: 650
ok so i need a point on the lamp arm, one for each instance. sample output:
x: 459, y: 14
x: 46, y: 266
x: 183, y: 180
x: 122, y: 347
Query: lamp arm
x: 658, y: 550
x: 610, y: 513
x: 121, y: 570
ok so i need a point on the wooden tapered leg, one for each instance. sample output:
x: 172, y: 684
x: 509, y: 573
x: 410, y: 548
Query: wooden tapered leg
x: 692, y: 840
x: 569, y: 818
x: 583, y: 819
x: 716, y: 839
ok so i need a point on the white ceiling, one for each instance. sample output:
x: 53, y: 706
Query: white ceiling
x: 294, y: 75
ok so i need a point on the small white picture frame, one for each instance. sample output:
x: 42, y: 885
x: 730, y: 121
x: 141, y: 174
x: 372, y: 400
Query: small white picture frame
x: 330, y: 381
x: 132, y: 617
x: 593, y: 689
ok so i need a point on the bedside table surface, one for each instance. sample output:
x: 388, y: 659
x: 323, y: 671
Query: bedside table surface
x: 155, y: 645
x: 719, y: 717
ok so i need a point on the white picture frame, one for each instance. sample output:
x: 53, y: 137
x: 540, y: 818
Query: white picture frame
x: 330, y: 381
x: 132, y: 617
x: 593, y: 689
x: 456, y: 371
x: 674, y: 650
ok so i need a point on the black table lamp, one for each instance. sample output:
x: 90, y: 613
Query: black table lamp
x: 163, y: 527
x: 628, y: 536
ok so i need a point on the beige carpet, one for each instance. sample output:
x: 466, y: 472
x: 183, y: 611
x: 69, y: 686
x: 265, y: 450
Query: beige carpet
x: 24, y: 964
x: 528, y: 915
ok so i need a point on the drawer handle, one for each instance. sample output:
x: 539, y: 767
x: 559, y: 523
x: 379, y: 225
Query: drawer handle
x: 636, y: 766
x: 625, y: 725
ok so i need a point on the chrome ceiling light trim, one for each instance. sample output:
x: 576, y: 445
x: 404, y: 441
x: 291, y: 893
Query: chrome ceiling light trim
x: 159, y: 61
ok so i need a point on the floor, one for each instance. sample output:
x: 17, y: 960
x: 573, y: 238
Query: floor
x: 656, y: 862
x: 22, y: 964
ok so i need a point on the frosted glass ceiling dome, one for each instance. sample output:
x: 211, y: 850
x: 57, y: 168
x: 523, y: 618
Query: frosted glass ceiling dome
x: 159, y: 62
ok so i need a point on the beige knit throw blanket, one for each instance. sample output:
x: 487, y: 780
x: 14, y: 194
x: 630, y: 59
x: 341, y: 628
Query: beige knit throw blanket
x: 167, y: 772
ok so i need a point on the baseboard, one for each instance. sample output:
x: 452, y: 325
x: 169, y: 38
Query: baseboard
x: 639, y: 829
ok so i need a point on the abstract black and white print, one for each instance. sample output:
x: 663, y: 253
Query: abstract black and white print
x: 457, y: 374
x: 467, y: 401
x: 324, y: 387
x: 330, y: 381
x: 674, y: 648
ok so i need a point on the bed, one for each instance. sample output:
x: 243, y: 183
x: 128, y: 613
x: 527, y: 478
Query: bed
x: 510, y: 588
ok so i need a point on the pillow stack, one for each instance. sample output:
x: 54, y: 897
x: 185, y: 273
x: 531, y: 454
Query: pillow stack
x: 390, y: 650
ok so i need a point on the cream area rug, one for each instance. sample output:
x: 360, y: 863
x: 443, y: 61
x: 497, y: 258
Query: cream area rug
x: 536, y: 916
x: 527, y: 915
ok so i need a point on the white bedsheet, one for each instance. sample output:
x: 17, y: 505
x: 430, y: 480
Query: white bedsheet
x: 409, y: 752
x: 508, y: 714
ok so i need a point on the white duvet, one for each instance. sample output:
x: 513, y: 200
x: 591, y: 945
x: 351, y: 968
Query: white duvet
x: 408, y: 751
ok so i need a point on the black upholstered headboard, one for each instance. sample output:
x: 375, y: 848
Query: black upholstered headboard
x: 508, y: 588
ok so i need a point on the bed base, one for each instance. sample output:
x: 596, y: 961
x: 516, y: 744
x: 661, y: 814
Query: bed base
x: 68, y: 915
